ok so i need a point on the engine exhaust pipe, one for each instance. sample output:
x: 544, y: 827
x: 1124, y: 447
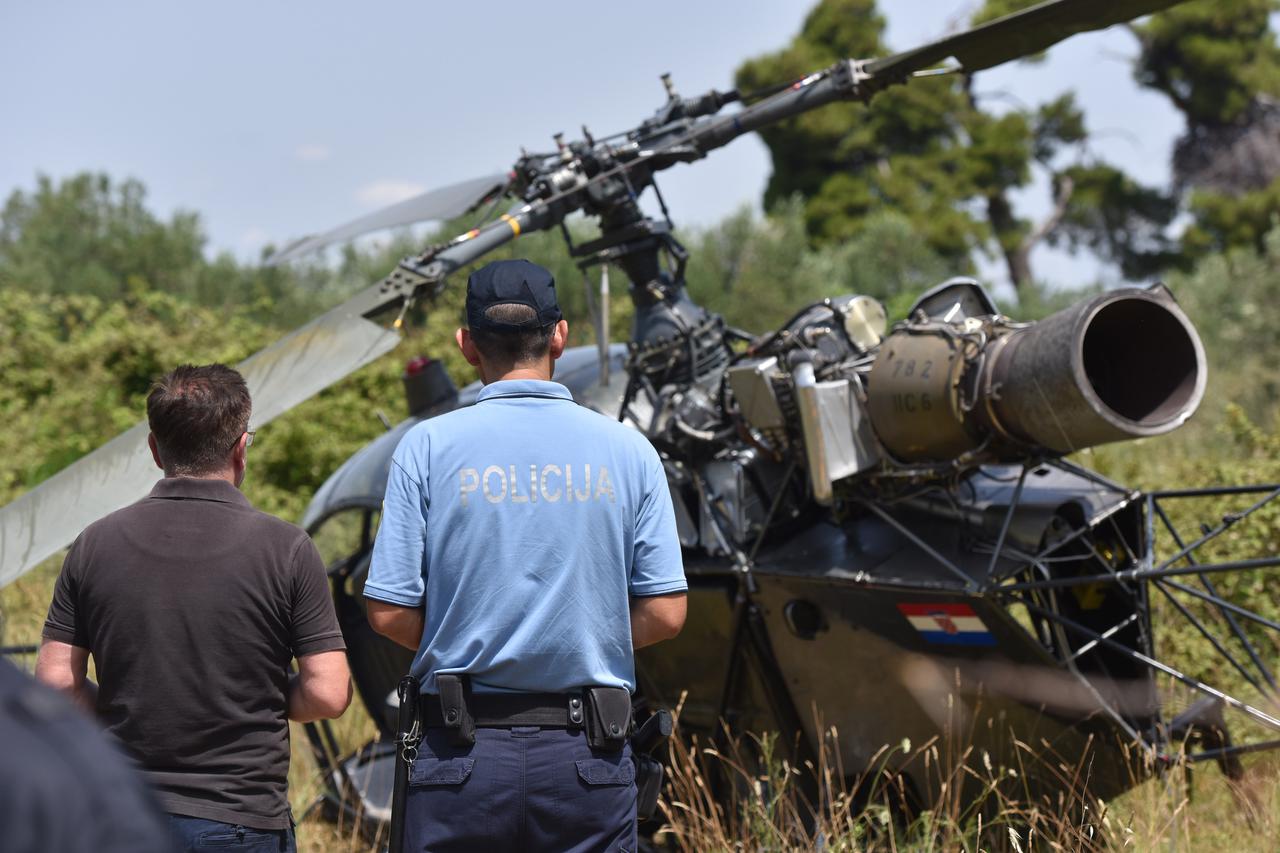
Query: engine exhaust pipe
x: 1121, y: 365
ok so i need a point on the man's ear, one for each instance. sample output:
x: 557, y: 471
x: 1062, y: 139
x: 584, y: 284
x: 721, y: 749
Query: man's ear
x: 240, y: 459
x: 468, y: 347
x: 155, y: 450
x: 240, y: 451
x: 559, y: 339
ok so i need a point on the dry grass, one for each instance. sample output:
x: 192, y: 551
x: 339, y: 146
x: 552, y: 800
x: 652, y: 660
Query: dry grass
x: 1201, y: 810
x: 316, y: 834
x: 743, y: 796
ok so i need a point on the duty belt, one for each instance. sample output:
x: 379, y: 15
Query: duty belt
x: 505, y: 710
x: 604, y: 713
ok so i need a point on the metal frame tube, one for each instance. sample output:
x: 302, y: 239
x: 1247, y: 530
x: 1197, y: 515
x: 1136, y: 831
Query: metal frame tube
x: 969, y: 585
x: 1110, y: 632
x: 1227, y: 522
x: 1008, y: 520
x: 1216, y: 491
x: 1190, y: 617
x: 1226, y: 751
x: 1209, y: 587
x: 1260, y: 716
x: 1143, y: 574
x: 1221, y: 602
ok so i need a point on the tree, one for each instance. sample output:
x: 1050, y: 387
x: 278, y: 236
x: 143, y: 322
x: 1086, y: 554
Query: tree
x: 758, y: 272
x: 1118, y: 219
x: 87, y: 236
x: 849, y: 160
x: 1218, y: 62
x: 932, y: 153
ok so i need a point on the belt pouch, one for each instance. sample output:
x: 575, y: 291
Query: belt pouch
x: 608, y: 717
x: 455, y: 691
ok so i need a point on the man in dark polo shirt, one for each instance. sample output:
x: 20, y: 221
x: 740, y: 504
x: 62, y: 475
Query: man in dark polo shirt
x: 193, y: 604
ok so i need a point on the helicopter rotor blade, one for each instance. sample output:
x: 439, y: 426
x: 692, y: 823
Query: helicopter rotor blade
x: 1010, y: 37
x: 280, y: 377
x: 443, y: 203
x: 1016, y: 35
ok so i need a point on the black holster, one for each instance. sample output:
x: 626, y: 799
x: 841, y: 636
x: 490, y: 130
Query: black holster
x: 649, y: 770
x: 408, y: 735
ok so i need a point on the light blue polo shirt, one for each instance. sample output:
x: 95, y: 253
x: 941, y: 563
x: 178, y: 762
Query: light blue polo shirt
x: 526, y: 522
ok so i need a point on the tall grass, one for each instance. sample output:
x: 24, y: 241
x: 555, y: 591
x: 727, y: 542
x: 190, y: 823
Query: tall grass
x: 744, y: 796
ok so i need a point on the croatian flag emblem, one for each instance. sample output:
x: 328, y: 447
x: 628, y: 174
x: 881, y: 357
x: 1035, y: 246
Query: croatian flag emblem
x: 952, y: 624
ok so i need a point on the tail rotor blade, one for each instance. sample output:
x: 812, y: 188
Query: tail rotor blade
x: 443, y: 203
x: 1016, y: 35
x: 50, y: 516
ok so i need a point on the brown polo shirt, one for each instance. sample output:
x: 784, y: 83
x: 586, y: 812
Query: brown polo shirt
x: 193, y: 603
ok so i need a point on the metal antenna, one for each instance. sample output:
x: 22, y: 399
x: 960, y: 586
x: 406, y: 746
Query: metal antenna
x: 602, y: 332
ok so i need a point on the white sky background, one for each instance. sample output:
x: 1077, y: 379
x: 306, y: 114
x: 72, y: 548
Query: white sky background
x: 273, y: 120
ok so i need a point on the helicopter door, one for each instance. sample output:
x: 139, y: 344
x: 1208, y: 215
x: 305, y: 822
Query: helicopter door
x: 345, y: 540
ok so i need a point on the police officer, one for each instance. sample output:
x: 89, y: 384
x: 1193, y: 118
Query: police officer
x: 527, y: 546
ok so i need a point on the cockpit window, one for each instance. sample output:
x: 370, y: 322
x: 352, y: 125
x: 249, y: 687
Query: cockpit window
x: 345, y: 536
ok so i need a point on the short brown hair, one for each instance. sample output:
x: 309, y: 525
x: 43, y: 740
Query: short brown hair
x: 514, y: 346
x: 197, y: 413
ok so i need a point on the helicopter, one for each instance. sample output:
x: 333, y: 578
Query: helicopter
x: 882, y: 529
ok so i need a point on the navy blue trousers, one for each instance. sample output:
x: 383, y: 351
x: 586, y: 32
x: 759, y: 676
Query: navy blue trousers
x: 526, y: 789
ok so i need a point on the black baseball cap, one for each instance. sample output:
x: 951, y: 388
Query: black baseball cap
x: 511, y: 282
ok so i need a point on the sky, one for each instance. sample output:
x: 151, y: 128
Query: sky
x: 278, y: 119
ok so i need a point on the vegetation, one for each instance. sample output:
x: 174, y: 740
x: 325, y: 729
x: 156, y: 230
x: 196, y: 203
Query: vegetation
x: 1213, y: 60
x: 758, y: 808
x: 935, y: 154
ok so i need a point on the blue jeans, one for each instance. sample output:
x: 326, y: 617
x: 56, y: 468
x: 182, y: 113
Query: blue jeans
x: 525, y: 789
x: 198, y: 834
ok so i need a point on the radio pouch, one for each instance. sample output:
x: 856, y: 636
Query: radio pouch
x: 608, y: 717
x: 455, y: 696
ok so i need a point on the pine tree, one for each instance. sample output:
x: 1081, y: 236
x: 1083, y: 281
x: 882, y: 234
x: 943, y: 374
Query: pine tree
x: 932, y: 153
x: 1218, y: 62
